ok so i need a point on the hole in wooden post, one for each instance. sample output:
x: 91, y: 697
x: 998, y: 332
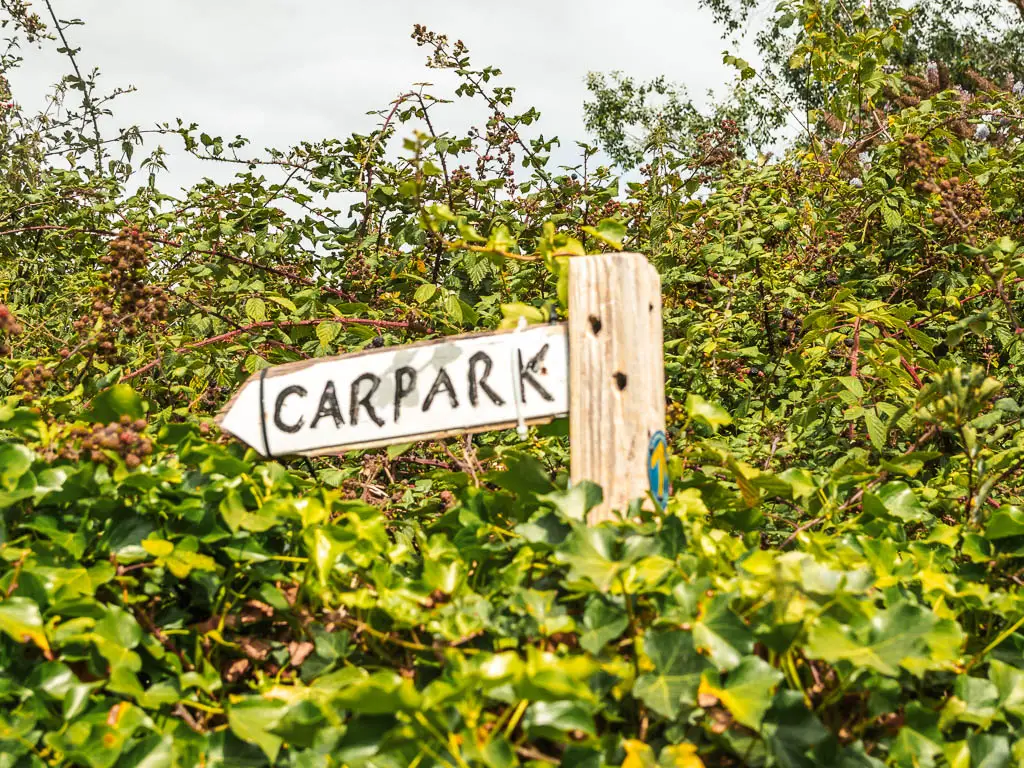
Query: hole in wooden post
x: 620, y: 380
x: 595, y: 324
x: 650, y: 307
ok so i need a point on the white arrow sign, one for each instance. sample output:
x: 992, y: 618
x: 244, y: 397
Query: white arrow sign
x: 420, y: 391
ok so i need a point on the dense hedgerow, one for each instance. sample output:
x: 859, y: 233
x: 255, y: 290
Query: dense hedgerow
x: 835, y: 581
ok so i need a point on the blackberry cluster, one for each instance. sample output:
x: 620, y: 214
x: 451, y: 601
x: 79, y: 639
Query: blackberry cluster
x: 213, y: 396
x: 123, y: 299
x: 961, y: 203
x: 358, y: 273
x: 918, y: 157
x: 124, y: 437
x: 9, y: 326
x: 444, y: 55
x: 715, y: 149
x: 32, y: 380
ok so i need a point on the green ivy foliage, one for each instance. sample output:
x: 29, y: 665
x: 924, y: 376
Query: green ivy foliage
x: 834, y: 582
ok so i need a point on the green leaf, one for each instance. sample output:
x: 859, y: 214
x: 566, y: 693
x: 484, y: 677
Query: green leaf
x: 895, y: 499
x: 394, y: 451
x: 676, y: 675
x: 453, y: 308
x: 710, y: 414
x: 551, y: 719
x: 256, y: 310
x: 327, y: 332
x: 903, y: 635
x: 20, y: 619
x: 1009, y: 683
x: 382, y: 692
x: 792, y: 730
x: 252, y: 719
x: 1005, y: 522
x: 877, y: 430
x: 721, y: 634
x: 113, y: 403
x: 608, y: 231
x: 512, y: 312
x: 238, y: 517
x: 747, y: 692
x: 15, y: 460
x: 255, y: 363
x: 425, y: 293
x: 603, y: 622
x: 284, y: 302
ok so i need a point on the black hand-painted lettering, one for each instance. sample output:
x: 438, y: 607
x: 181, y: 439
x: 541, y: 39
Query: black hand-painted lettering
x: 408, y: 376
x: 526, y: 374
x: 476, y: 384
x: 355, y: 401
x: 443, y: 381
x: 295, y: 389
x: 328, y: 407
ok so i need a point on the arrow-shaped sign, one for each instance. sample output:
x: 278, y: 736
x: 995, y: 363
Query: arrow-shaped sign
x: 416, y: 392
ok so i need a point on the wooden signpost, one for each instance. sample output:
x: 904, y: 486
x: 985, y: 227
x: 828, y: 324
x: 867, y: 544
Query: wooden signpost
x: 604, y: 368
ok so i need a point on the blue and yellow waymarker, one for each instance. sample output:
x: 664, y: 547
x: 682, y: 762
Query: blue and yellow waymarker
x: 657, y: 468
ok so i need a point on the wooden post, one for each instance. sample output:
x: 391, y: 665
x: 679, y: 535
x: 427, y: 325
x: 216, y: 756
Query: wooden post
x: 616, y: 375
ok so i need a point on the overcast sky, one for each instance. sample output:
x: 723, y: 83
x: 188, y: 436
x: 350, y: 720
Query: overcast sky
x: 280, y: 71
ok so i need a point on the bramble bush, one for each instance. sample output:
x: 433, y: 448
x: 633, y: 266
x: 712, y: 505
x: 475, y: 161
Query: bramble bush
x: 835, y: 581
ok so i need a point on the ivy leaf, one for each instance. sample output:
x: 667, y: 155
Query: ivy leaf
x: 590, y: 554
x: 895, y: 637
x: 792, y: 729
x: 680, y: 756
x: 721, y: 634
x: 20, y: 619
x: 638, y: 755
x: 1009, y: 683
x: 238, y: 517
x: 550, y: 719
x: 747, y: 692
x: 602, y: 622
x: 676, y: 675
x: 252, y: 719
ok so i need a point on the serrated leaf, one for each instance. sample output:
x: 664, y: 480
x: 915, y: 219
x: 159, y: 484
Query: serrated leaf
x: 877, y: 430
x: 425, y: 293
x: 710, y: 414
x: 284, y: 302
x: 453, y: 307
x: 608, y: 231
x: 327, y: 332
x: 256, y: 310
x: 255, y: 363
